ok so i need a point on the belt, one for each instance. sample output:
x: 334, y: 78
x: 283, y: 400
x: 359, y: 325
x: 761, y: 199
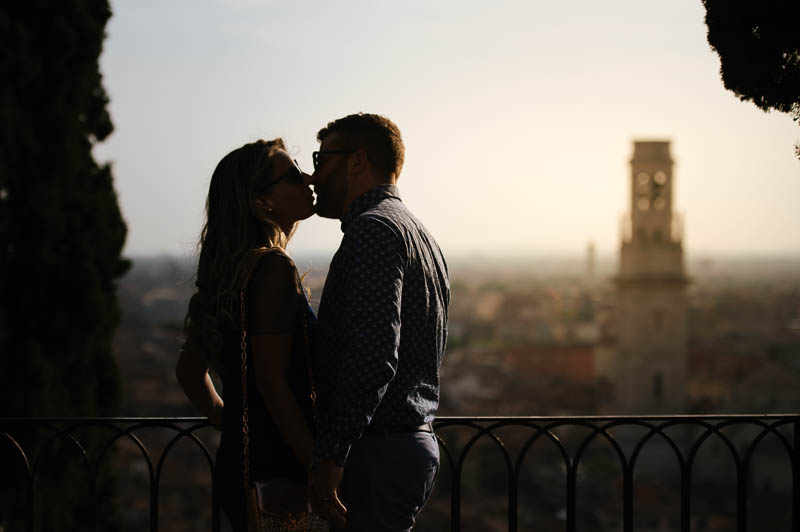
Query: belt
x: 397, y: 429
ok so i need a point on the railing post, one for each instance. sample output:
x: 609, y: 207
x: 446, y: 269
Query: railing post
x: 153, y: 505
x: 34, y: 513
x: 627, y: 499
x: 741, y: 501
x: 31, y: 491
x: 796, y: 478
x: 214, y: 502
x: 455, y: 500
x: 686, y: 501
x: 93, y: 491
x: 571, y: 496
x: 512, y: 501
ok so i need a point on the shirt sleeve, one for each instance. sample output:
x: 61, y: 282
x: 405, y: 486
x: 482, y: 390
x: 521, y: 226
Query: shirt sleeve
x: 375, y: 257
x: 272, y: 296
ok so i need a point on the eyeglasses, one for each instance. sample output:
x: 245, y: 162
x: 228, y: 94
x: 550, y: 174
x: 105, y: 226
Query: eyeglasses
x: 315, y: 155
x: 293, y: 175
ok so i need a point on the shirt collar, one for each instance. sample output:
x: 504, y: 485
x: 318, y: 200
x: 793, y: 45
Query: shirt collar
x: 368, y: 199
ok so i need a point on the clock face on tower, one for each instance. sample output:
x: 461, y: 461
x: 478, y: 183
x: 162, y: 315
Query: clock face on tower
x: 658, y: 196
x: 651, y: 191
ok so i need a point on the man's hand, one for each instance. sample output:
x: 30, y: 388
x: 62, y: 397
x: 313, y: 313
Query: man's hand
x: 323, y: 492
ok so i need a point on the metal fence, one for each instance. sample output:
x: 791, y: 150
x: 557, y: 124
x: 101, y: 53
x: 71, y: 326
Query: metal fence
x: 676, y: 447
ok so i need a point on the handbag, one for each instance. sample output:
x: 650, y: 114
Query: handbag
x: 277, y: 504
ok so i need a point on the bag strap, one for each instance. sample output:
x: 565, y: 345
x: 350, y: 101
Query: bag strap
x: 243, y: 346
x: 245, y: 413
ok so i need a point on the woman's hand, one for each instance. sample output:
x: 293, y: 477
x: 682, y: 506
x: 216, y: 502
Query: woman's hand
x: 323, y: 492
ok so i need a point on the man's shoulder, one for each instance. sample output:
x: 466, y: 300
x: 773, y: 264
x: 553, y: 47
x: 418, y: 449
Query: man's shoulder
x: 385, y: 216
x: 372, y: 225
x: 376, y: 227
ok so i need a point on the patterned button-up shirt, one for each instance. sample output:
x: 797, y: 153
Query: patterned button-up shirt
x: 382, y: 324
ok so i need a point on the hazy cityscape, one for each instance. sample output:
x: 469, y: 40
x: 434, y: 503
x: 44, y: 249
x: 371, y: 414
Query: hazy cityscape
x: 523, y: 337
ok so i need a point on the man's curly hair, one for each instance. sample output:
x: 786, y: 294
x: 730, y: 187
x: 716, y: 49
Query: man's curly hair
x: 376, y: 135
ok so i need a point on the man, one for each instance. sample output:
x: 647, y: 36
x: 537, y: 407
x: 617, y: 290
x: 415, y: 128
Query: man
x: 382, y: 334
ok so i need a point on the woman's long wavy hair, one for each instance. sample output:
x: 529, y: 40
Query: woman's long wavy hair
x: 232, y: 240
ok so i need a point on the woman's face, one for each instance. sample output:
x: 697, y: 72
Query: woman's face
x: 289, y: 196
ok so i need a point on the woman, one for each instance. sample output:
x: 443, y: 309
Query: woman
x: 256, y: 197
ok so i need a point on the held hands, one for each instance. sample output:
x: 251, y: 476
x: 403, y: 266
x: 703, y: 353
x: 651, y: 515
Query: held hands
x: 323, y: 492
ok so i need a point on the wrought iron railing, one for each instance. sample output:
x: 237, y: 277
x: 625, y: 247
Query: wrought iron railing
x: 677, y: 448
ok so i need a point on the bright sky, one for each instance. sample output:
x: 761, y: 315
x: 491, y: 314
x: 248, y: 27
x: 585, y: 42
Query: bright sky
x: 518, y: 116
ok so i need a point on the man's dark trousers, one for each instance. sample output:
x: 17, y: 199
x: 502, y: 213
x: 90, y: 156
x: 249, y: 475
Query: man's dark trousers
x: 387, y: 480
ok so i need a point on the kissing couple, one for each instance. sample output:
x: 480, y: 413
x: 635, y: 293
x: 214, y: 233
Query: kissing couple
x: 325, y: 419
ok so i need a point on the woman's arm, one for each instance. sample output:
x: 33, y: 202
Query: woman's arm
x: 192, y: 374
x: 271, y: 362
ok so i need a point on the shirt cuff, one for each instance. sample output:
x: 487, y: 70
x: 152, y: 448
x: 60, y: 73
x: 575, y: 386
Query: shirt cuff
x: 332, y: 451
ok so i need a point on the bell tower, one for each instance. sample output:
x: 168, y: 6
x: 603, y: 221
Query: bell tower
x: 649, y: 369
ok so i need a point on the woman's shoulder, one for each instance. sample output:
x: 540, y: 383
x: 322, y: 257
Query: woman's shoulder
x: 274, y: 267
x: 275, y: 258
x: 273, y: 295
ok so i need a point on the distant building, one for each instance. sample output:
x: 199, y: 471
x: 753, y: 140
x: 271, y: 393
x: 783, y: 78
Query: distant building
x: 590, y: 264
x: 646, y: 365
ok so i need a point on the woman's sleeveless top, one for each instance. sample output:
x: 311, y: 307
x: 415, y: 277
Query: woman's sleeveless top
x: 281, y: 311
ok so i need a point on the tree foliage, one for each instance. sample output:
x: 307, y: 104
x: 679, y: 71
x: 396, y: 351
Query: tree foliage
x: 759, y: 49
x: 61, y: 231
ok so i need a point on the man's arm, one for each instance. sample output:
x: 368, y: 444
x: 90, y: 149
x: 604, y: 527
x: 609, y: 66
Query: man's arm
x: 372, y: 294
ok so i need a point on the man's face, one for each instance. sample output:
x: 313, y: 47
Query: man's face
x: 330, y: 177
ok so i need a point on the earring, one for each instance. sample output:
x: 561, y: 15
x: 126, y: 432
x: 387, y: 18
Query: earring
x: 268, y: 210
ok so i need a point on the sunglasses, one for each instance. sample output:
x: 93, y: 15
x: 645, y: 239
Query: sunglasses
x: 315, y: 155
x: 293, y: 175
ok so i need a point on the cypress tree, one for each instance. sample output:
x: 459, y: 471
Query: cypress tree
x: 61, y: 237
x: 758, y: 44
